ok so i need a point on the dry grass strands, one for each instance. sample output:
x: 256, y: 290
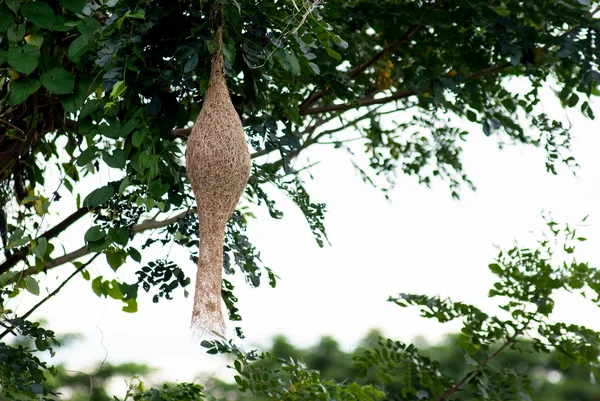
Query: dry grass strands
x: 218, y: 167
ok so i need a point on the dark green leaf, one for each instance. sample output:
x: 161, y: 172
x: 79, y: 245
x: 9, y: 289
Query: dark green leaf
x: 99, y: 196
x: 20, y: 90
x: 39, y: 14
x: 13, y: 5
x: 183, y: 53
x: 5, y: 17
x: 191, y: 64
x: 119, y: 236
x: 128, y: 127
x: 229, y: 52
x: 471, y: 116
x: 23, y: 59
x: 62, y: 24
x: 116, y: 160
x: 573, y: 100
x: 58, y: 81
x: 95, y: 233
x: 90, y: 106
x: 74, y: 102
x: 87, y: 156
x: 138, y: 138
x: 78, y: 47
x: 134, y: 253
x: 15, y: 33
x: 74, y: 5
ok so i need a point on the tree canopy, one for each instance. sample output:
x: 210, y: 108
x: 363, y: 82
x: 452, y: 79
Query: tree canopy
x: 109, y: 88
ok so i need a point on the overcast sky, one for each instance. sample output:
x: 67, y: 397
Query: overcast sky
x: 422, y: 241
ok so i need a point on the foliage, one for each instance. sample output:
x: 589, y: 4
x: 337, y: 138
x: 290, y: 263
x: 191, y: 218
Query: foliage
x: 493, y: 347
x: 91, y: 89
x: 501, y: 352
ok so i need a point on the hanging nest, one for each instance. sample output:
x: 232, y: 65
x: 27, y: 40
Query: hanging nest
x: 218, y: 167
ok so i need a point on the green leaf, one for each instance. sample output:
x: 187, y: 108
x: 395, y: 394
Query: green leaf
x: 138, y: 138
x: 190, y: 64
x: 116, y: 258
x: 119, y: 236
x: 573, y: 100
x: 95, y: 233
x: 58, y: 81
x: 333, y: 54
x: 117, y: 90
x: 157, y: 189
x: 62, y: 24
x: 31, y: 285
x: 15, y: 33
x: 20, y: 90
x: 87, y: 156
x: 41, y: 248
x: 73, y: 103
x: 13, y: 5
x: 17, y: 239
x: 89, y: 107
x: 99, y: 196
x: 229, y: 52
x: 39, y: 14
x: 139, y: 14
x: 289, y: 61
x: 128, y: 127
x: 471, y: 116
x: 74, y: 5
x: 35, y: 38
x: 2, y: 56
x: 116, y: 160
x: 5, y: 17
x: 124, y: 184
x: 78, y: 47
x: 110, y: 131
x: 89, y: 27
x: 23, y: 59
x: 98, y: 286
x: 135, y: 254
x: 183, y: 53
x: 131, y: 306
x: 315, y: 68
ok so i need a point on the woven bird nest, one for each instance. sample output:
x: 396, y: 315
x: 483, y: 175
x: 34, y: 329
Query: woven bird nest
x: 218, y: 167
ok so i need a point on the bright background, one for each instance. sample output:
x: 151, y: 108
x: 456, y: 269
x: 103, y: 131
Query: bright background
x: 421, y: 241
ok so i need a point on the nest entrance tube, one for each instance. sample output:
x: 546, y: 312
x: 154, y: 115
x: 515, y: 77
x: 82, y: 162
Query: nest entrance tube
x: 218, y: 167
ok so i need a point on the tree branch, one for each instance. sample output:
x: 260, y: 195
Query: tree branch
x: 315, y: 96
x: 20, y: 255
x: 152, y: 223
x: 138, y: 228
x: 367, y: 101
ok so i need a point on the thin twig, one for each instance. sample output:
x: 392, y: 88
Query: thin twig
x: 485, y: 362
x: 53, y: 293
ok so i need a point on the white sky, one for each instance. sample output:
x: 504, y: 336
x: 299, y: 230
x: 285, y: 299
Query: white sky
x: 422, y: 241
